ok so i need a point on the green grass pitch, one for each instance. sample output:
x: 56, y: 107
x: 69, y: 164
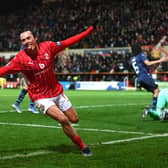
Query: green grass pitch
x: 110, y: 123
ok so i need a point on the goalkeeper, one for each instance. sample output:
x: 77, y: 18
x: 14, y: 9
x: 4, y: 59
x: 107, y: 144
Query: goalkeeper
x: 160, y: 113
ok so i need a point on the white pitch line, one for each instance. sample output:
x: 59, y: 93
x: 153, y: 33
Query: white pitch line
x: 8, y: 95
x: 134, y: 139
x: 83, y: 107
x: 8, y: 111
x: 113, y: 131
x: 37, y: 153
x: 82, y: 129
x: 107, y: 105
x: 13, y: 111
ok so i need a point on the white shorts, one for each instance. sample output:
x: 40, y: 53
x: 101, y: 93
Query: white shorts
x: 61, y: 101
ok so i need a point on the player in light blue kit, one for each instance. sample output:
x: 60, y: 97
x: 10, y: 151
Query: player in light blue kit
x: 161, y: 112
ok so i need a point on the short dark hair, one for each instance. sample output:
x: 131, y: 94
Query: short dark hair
x: 136, y: 49
x: 29, y: 29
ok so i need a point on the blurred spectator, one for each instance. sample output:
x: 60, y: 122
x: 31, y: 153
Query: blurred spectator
x: 119, y: 21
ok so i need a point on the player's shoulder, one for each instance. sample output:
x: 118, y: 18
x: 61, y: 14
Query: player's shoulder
x: 20, y: 57
x: 21, y: 53
x: 142, y: 55
x: 46, y: 44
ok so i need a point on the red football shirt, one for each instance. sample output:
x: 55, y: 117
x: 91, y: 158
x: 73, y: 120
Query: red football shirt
x: 39, y: 70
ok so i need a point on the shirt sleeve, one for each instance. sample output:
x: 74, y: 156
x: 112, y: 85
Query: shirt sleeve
x: 4, y: 70
x: 10, y: 68
x: 61, y: 45
x: 74, y: 39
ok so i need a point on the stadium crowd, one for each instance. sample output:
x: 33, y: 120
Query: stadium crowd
x: 119, y: 21
x: 94, y: 63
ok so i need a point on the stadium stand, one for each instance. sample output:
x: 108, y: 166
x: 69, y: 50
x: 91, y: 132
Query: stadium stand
x: 59, y: 19
x: 119, y: 22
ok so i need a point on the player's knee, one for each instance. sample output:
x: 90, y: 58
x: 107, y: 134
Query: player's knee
x: 74, y: 119
x: 72, y: 115
x: 63, y: 120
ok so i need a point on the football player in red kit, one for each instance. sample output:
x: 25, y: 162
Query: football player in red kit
x: 36, y: 62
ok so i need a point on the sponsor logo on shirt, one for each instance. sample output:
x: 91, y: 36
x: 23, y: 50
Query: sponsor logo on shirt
x: 42, y: 66
x: 46, y: 56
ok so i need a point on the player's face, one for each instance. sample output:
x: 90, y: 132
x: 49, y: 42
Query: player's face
x: 29, y: 41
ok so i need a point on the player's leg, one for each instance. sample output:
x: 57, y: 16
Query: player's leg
x: 32, y: 107
x: 65, y: 105
x: 155, y: 97
x: 72, y: 115
x: 161, y: 102
x: 20, y: 98
x: 150, y: 85
x: 154, y: 114
x: 49, y: 108
x: 58, y: 115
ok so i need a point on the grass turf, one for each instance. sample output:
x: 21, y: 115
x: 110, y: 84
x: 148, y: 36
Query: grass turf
x: 110, y: 123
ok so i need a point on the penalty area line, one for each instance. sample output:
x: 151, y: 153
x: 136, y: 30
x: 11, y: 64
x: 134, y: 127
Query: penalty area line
x: 85, y: 107
x: 81, y: 129
x: 37, y: 153
x: 107, y: 105
x: 134, y: 139
x: 45, y: 152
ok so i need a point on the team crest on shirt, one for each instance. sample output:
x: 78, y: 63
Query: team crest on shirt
x: 42, y: 66
x: 46, y: 56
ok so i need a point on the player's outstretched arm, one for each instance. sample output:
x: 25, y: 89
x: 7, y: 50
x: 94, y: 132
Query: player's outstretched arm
x: 10, y: 68
x: 74, y: 39
x: 162, y: 50
x: 162, y: 59
x: 4, y: 70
